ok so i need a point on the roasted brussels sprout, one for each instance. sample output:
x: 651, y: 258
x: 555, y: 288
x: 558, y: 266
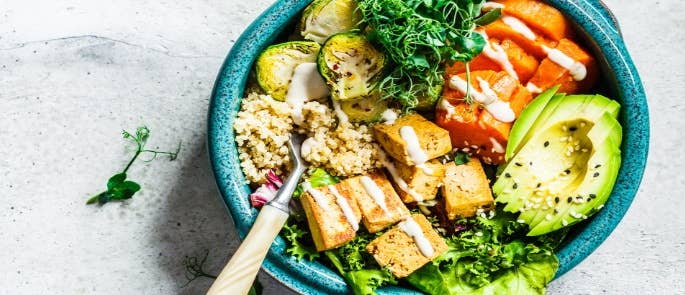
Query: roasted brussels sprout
x: 324, y: 18
x: 276, y: 64
x: 351, y: 65
x: 367, y: 109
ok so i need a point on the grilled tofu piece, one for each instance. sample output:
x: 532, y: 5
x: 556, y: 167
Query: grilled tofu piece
x: 432, y: 140
x: 398, y: 249
x: 465, y: 189
x: 419, y: 183
x: 379, y: 203
x: 333, y: 216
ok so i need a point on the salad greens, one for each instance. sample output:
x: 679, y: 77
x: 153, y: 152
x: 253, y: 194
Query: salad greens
x: 489, y: 255
x: 118, y: 188
x: 420, y: 36
x: 493, y: 256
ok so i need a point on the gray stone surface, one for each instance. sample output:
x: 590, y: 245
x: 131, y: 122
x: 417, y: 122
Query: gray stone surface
x: 74, y: 73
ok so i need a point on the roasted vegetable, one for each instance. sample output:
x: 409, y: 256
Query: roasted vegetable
x: 324, y: 18
x: 276, y: 64
x: 351, y: 65
x: 366, y: 109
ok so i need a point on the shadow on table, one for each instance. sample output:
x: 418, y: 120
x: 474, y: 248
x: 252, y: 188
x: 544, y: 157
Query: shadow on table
x: 194, y: 220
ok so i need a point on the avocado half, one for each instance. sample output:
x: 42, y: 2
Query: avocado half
x: 563, y: 158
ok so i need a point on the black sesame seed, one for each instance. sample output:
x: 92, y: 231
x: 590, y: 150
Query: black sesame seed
x: 507, y: 175
x: 593, y: 196
x: 518, y: 164
x: 539, y: 185
x: 596, y: 174
x: 556, y: 211
x: 556, y: 200
x: 589, y: 199
x: 569, y: 199
x: 516, y: 185
x: 567, y: 171
x: 573, y: 128
x: 598, y: 165
x: 530, y: 163
x: 546, y: 143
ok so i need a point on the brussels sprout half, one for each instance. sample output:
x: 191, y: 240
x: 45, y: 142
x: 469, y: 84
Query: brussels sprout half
x: 367, y: 109
x: 350, y: 65
x: 324, y: 18
x: 276, y: 64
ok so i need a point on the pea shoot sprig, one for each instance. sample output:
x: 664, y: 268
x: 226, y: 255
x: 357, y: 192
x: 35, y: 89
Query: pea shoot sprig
x: 118, y: 187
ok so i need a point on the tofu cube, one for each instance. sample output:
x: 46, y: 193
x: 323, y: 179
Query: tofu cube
x: 418, y: 181
x: 379, y: 203
x: 332, y: 221
x: 465, y: 189
x: 398, y: 250
x: 432, y: 140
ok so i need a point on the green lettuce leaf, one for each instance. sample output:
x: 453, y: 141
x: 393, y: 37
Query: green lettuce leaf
x: 366, y: 281
x: 318, y: 178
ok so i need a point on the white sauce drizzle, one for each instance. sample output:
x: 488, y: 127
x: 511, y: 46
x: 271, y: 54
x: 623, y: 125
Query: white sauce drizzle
x: 488, y: 98
x: 345, y: 206
x: 342, y: 117
x: 389, y: 116
x: 374, y: 192
x: 412, y: 229
x: 416, y: 154
x: 447, y: 107
x: 575, y: 68
x: 318, y: 196
x: 306, y: 84
x: 496, y: 53
x: 518, y: 26
x: 496, y: 146
x: 532, y: 88
x: 487, y: 6
x: 398, y: 179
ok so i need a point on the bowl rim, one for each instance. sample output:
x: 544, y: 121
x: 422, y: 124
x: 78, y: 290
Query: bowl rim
x: 311, y: 277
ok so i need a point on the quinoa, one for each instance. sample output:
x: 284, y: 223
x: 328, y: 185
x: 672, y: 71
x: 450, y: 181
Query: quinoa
x: 263, y: 127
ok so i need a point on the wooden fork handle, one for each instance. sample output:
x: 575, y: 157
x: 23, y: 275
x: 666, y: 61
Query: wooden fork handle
x: 238, y: 275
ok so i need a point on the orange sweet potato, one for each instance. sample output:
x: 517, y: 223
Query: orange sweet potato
x: 550, y: 73
x: 474, y: 129
x: 539, y: 16
x: 499, y: 30
x: 524, y: 64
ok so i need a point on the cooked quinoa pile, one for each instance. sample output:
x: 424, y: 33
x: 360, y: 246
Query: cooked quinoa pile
x: 263, y: 127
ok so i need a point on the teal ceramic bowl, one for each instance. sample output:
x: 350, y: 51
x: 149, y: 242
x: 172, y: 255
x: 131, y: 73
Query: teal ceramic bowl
x: 622, y: 82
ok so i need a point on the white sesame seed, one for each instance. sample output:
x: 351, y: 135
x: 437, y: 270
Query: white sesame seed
x: 568, y: 153
x: 564, y: 128
x: 564, y: 222
x: 582, y: 124
x: 548, y: 216
x: 584, y: 150
x: 563, y: 139
x: 521, y: 221
x: 600, y: 207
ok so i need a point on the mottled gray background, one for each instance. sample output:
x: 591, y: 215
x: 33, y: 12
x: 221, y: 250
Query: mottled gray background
x: 73, y: 73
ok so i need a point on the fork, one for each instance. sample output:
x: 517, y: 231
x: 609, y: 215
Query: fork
x: 237, y: 276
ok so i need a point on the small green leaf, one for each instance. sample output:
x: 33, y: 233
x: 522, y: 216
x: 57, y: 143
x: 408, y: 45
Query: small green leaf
x: 461, y: 158
x: 130, y: 186
x: 115, y: 180
x: 142, y: 133
x: 488, y: 17
x: 94, y: 199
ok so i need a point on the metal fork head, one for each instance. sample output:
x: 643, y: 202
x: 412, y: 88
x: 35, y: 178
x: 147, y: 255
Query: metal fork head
x: 294, y: 147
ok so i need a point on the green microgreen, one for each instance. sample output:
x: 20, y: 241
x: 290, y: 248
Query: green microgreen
x: 461, y: 158
x: 420, y: 37
x: 118, y: 187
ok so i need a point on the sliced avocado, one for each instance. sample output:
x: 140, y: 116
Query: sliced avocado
x: 565, y: 164
x: 367, y: 109
x: 526, y: 120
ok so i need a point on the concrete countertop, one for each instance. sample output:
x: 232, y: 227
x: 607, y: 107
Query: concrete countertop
x: 73, y: 73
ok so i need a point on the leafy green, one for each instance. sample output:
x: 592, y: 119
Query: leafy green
x: 318, y: 178
x: 297, y: 246
x: 488, y: 17
x: 419, y: 37
x: 461, y: 158
x: 321, y: 178
x: 491, y: 257
x: 118, y: 188
x: 366, y: 281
